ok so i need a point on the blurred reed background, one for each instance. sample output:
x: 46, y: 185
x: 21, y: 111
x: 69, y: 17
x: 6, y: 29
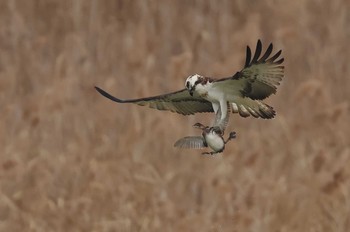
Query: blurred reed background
x: 72, y: 160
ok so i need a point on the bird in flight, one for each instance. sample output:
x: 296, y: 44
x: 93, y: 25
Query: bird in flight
x: 244, y: 91
x: 211, y: 137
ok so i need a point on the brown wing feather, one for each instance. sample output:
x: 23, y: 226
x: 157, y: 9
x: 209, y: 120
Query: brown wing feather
x: 256, y: 81
x: 180, y: 102
x: 260, y: 76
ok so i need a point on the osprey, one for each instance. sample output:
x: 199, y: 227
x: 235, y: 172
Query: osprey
x: 244, y: 90
x: 211, y: 137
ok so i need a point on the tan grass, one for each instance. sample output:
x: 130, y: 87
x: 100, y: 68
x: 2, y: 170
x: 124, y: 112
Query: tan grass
x: 74, y: 161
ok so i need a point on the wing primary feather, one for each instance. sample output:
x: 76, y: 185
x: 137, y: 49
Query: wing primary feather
x: 159, y: 97
x: 280, y: 61
x: 267, y: 53
x: 248, y: 57
x: 274, y: 57
x: 257, y: 52
x: 107, y: 95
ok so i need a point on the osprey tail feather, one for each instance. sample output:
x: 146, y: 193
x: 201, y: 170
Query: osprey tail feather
x: 246, y: 107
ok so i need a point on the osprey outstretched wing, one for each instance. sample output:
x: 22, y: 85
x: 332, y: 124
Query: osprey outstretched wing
x: 180, y: 102
x: 259, y: 78
x: 256, y: 81
x: 244, y: 91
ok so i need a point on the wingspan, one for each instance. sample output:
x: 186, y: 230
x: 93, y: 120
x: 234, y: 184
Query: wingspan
x: 194, y: 142
x: 180, y: 102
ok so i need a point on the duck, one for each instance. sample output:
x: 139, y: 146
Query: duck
x: 212, y: 137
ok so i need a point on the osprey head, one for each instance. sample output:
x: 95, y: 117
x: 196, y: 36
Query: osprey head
x: 192, y: 81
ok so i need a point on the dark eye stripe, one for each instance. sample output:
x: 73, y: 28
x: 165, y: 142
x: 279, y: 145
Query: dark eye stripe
x: 188, y: 85
x: 197, y: 82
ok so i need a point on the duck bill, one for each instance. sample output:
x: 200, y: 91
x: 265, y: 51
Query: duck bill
x: 191, y: 91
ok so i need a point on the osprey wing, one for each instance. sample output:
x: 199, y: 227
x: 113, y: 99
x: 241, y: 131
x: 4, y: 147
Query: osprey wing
x: 180, y: 102
x: 191, y: 142
x: 260, y: 76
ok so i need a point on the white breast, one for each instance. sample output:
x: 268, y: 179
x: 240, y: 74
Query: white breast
x: 214, y: 141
